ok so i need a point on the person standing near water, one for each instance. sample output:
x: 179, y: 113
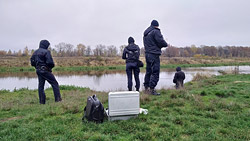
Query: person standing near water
x: 131, y: 54
x: 43, y: 62
x: 153, y: 42
x: 179, y: 78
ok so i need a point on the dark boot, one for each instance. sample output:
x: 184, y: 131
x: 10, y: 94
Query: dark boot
x: 153, y: 92
x: 137, y: 90
x: 58, y: 100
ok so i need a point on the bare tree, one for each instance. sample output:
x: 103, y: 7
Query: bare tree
x: 9, y: 52
x: 88, y: 51
x: 25, y: 51
x: 142, y: 51
x: 121, y: 49
x: 99, y: 50
x: 81, y: 49
x: 64, y: 49
x: 111, y: 51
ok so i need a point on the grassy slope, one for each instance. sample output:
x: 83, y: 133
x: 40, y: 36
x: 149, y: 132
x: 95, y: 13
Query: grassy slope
x: 216, y: 108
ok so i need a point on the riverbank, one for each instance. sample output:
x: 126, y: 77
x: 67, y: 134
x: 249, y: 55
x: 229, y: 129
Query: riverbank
x: 21, y: 64
x: 113, y: 68
x: 209, y: 108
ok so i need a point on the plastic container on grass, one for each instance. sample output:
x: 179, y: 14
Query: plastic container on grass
x: 123, y: 105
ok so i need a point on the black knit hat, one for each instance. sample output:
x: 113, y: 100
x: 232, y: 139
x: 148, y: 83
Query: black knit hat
x: 131, y: 40
x: 178, y: 69
x: 154, y: 23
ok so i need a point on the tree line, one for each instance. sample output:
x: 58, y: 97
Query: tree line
x: 68, y: 50
x: 219, y: 51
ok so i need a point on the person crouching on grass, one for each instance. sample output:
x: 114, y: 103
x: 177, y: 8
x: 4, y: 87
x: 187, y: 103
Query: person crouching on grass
x: 179, y: 78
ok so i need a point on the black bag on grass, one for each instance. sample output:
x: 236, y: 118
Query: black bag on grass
x: 94, y: 110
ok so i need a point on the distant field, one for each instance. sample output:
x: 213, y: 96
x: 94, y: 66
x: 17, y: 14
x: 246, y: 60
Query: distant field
x: 215, y: 108
x: 16, y: 64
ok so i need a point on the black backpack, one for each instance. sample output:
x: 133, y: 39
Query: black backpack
x: 94, y: 110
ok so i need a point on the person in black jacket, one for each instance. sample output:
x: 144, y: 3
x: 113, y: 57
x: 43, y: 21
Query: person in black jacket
x: 131, y: 53
x: 179, y: 78
x: 43, y: 62
x: 153, y: 42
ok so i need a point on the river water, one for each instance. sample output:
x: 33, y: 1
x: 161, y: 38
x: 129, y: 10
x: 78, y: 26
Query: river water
x: 105, y: 80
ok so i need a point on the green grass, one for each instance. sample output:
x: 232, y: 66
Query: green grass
x: 204, y: 65
x: 121, y: 67
x: 215, y: 108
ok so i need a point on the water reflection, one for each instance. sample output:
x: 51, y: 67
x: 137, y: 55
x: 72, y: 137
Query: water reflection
x: 104, y: 80
x: 98, y: 73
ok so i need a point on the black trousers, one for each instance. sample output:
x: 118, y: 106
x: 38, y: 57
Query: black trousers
x: 132, y: 67
x: 179, y: 84
x: 46, y: 75
x: 152, y: 70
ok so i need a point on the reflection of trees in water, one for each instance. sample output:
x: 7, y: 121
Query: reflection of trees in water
x: 28, y: 75
x: 20, y: 75
x: 100, y: 73
x: 97, y: 79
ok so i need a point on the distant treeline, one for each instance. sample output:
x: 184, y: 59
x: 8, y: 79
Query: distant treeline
x: 69, y: 50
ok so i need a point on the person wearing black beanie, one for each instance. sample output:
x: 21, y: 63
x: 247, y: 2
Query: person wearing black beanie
x: 155, y: 23
x: 131, y: 54
x: 179, y: 78
x: 153, y: 42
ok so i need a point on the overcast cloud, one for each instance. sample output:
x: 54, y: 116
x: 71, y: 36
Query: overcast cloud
x: 111, y: 22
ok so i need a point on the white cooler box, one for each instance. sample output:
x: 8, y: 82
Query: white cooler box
x: 123, y: 105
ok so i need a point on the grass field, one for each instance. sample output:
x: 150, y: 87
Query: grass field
x: 215, y: 108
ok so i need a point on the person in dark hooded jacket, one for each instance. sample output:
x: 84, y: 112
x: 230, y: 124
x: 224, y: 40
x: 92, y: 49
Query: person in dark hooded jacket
x: 153, y: 42
x: 132, y: 53
x: 43, y: 62
x: 179, y: 78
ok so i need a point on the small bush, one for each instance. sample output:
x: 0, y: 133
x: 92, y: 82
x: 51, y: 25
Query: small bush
x: 203, y: 93
x: 200, y: 76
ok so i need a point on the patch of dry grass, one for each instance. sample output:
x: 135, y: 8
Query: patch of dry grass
x: 201, y: 76
x: 115, y: 61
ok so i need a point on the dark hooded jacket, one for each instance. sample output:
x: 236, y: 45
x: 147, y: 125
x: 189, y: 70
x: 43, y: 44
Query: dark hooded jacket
x: 131, y: 53
x: 153, y: 40
x: 42, y: 56
x: 179, y: 76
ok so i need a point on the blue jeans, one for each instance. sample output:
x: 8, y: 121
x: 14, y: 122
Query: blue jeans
x: 152, y: 70
x: 132, y: 67
x: 46, y: 75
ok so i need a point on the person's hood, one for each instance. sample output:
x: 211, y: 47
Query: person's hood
x: 178, y: 69
x: 44, y: 44
x: 132, y: 47
x: 149, y: 29
x: 131, y: 40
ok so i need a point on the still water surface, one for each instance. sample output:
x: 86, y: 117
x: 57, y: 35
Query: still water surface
x: 106, y: 80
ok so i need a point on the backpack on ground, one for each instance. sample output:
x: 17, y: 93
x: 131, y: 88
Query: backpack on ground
x: 94, y: 110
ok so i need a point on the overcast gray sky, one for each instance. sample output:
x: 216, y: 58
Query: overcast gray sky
x: 111, y: 22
